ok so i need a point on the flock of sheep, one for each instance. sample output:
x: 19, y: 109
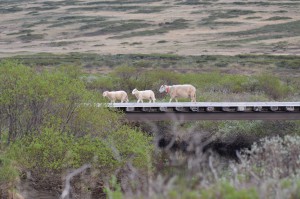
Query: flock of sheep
x: 175, y: 91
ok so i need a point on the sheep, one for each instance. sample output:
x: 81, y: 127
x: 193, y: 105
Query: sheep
x: 177, y: 91
x: 116, y: 95
x: 141, y: 95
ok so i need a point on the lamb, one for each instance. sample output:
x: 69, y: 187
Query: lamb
x: 116, y: 95
x: 141, y: 95
x: 179, y: 91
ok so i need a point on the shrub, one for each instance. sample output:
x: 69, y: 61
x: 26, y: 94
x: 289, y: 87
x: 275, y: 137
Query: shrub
x: 281, y: 157
x: 224, y: 190
x: 9, y: 174
x: 49, y: 154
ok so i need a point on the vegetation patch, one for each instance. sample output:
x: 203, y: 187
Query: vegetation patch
x: 265, y: 3
x: 24, y: 31
x: 61, y: 43
x: 149, y: 9
x: 11, y: 9
x: 289, y: 29
x: 163, y: 28
x: 212, y: 19
x: 119, y: 2
x: 254, y: 17
x: 278, y: 18
x: 36, y: 23
x: 122, y: 8
x: 195, y: 2
x: 87, y: 21
x: 117, y: 26
x: 31, y: 37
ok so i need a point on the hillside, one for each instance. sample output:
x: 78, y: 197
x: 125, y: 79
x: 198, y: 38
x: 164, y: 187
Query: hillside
x: 183, y: 27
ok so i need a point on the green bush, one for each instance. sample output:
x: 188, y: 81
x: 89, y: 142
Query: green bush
x: 272, y: 86
x: 224, y: 190
x: 55, y: 151
x: 9, y: 174
x: 48, y: 155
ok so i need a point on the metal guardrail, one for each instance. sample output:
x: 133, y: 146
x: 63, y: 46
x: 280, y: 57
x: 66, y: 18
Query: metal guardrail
x: 182, y: 111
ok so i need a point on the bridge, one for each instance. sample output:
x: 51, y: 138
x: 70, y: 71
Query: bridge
x: 185, y: 111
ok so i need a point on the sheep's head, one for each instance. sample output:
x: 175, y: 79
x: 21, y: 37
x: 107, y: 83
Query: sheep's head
x: 105, y: 93
x: 134, y: 91
x: 162, y: 88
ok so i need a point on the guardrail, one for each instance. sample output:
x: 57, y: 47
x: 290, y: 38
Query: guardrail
x: 209, y: 111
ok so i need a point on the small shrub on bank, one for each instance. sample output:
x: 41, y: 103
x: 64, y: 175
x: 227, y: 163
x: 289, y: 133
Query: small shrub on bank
x: 275, y: 157
x: 49, y: 154
x: 224, y: 190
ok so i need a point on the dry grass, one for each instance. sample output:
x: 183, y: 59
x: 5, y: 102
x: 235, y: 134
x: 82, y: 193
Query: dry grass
x: 189, y: 27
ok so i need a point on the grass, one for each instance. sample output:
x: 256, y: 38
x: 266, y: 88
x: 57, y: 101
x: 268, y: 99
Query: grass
x: 278, y: 18
x: 24, y: 31
x: 11, y: 9
x: 61, y: 43
x: 88, y: 21
x: 149, y: 9
x: 239, y: 42
x: 43, y: 8
x: 266, y: 3
x: 163, y: 28
x: 119, y: 2
x: 254, y: 17
x: 117, y: 27
x: 121, y: 8
x: 161, y: 60
x: 30, y: 37
x: 288, y: 29
x: 194, y: 2
x: 224, y: 14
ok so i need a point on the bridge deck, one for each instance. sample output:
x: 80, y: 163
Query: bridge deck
x: 210, y: 110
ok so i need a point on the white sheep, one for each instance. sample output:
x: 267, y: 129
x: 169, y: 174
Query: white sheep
x: 141, y: 95
x: 116, y: 95
x: 179, y: 91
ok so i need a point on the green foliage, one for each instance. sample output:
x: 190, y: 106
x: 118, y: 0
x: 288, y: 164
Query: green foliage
x: 114, y: 189
x: 54, y: 151
x: 128, y: 77
x: 288, y: 29
x: 224, y: 190
x: 9, y: 174
x: 159, y: 60
x: 53, y: 124
x: 132, y: 145
x: 30, y: 101
x: 272, y: 86
x: 293, y: 64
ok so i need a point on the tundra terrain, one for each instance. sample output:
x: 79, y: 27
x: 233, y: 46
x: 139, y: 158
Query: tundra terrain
x: 182, y: 27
